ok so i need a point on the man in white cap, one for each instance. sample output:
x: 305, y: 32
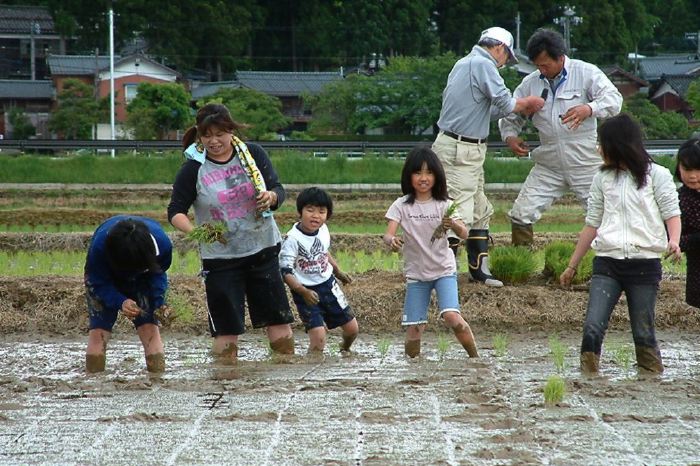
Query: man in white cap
x: 474, y: 95
x: 567, y: 157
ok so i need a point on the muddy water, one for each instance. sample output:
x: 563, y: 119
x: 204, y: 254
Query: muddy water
x: 373, y: 407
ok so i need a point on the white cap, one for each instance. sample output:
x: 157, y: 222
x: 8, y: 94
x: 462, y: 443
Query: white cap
x: 501, y: 35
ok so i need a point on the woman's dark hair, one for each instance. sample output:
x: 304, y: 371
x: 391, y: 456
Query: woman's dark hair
x: 688, y: 156
x: 316, y: 197
x: 621, y: 143
x: 546, y: 40
x: 414, y: 163
x: 129, y: 247
x: 211, y: 115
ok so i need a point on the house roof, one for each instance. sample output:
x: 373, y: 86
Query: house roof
x: 77, y: 65
x: 16, y: 19
x: 286, y: 84
x: 25, y: 89
x: 652, y: 68
x: 207, y: 89
x: 615, y: 70
x: 679, y: 82
x: 144, y: 59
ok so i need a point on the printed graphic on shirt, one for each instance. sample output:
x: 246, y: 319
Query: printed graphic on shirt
x: 236, y: 198
x: 314, y: 261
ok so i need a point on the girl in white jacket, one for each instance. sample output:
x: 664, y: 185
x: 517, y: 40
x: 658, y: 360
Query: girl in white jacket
x: 633, y: 218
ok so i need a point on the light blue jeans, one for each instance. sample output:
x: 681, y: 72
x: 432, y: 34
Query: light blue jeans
x: 415, y: 307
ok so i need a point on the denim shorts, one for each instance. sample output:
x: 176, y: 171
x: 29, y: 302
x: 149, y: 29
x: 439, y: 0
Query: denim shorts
x: 415, y: 307
x: 332, y: 309
x: 254, y: 280
x: 103, y: 318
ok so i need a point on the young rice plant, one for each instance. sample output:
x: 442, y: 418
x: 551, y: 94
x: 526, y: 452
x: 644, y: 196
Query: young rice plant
x: 556, y: 259
x: 512, y: 264
x: 554, y: 390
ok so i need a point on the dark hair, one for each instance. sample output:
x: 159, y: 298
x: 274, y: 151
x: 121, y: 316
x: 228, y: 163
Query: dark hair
x: 316, y: 197
x: 545, y: 40
x: 414, y: 163
x: 688, y: 156
x: 211, y: 115
x: 622, y: 146
x: 129, y: 247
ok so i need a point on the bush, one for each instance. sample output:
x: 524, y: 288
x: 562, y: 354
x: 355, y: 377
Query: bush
x: 512, y: 264
x: 556, y: 258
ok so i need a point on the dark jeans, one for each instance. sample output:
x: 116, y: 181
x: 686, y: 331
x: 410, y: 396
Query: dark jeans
x: 639, y: 279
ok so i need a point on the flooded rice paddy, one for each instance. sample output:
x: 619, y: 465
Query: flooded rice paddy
x: 373, y: 407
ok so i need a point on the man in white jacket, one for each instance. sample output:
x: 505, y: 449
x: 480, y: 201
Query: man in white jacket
x: 576, y: 95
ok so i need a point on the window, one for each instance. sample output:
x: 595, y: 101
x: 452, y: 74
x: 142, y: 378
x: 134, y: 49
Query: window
x: 130, y: 91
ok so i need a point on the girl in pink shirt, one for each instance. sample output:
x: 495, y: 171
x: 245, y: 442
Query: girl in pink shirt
x: 428, y: 261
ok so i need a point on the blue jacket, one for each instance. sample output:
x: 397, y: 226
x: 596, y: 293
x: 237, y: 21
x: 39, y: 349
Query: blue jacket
x: 113, y: 287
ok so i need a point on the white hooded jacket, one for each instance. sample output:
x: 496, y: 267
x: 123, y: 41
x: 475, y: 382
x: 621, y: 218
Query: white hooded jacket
x: 630, y: 221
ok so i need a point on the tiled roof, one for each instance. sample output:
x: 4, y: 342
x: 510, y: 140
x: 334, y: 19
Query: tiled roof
x: 25, y: 89
x: 19, y: 20
x: 680, y: 82
x: 286, y: 84
x: 652, y: 68
x: 77, y: 65
x: 207, y: 89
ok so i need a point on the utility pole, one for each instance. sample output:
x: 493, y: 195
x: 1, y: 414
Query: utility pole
x: 566, y: 21
x: 694, y: 36
x: 34, y: 29
x: 517, y: 32
x: 111, y: 75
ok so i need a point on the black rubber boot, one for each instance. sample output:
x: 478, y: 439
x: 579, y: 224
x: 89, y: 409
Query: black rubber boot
x: 478, y: 256
x: 454, y: 245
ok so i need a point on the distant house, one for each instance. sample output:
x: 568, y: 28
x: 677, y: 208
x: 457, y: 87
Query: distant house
x: 27, y: 36
x: 670, y: 92
x: 289, y: 87
x: 627, y: 83
x: 129, y: 72
x: 653, y: 68
x: 34, y: 98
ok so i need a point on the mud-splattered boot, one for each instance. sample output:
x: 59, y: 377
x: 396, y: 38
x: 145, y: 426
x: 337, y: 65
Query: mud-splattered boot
x: 155, y: 362
x: 590, y: 362
x: 478, y: 257
x: 95, y: 363
x: 649, y: 359
x: 412, y: 348
x: 521, y: 235
x: 466, y: 339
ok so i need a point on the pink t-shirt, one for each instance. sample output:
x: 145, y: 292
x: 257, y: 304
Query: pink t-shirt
x: 423, y: 260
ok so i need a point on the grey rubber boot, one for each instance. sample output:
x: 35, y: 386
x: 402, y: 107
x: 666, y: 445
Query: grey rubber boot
x: 478, y: 257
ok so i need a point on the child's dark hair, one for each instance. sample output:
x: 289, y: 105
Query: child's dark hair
x: 414, y: 163
x: 316, y: 197
x: 211, y: 115
x: 622, y: 146
x: 129, y: 247
x: 688, y: 156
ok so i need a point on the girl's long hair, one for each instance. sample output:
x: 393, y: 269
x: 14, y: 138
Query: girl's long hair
x: 414, y: 163
x: 688, y: 156
x: 622, y: 146
x: 209, y: 116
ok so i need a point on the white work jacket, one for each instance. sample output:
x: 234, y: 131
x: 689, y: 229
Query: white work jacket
x: 631, y: 221
x: 562, y: 148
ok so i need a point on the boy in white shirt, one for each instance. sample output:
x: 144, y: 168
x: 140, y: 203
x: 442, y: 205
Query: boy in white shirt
x: 310, y: 272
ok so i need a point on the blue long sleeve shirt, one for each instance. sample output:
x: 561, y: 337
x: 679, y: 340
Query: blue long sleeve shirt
x: 110, y: 286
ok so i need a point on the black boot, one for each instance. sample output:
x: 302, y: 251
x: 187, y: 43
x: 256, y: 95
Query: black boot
x: 454, y: 245
x: 478, y: 256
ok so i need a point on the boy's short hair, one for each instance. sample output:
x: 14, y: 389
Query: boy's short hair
x: 129, y: 247
x: 688, y: 156
x: 316, y: 197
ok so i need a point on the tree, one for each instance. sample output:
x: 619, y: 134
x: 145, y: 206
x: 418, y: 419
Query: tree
x: 77, y: 111
x: 158, y: 109
x: 655, y: 123
x: 261, y: 112
x: 22, y: 127
x: 693, y: 97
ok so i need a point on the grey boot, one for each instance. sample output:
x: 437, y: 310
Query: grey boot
x: 521, y: 235
x: 478, y: 256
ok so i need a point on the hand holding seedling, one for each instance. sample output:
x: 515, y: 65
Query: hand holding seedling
x: 567, y: 276
x: 264, y: 200
x: 673, y: 250
x: 209, y: 233
x: 344, y: 278
x: 396, y: 243
x: 130, y: 309
x: 310, y: 296
x: 446, y: 224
